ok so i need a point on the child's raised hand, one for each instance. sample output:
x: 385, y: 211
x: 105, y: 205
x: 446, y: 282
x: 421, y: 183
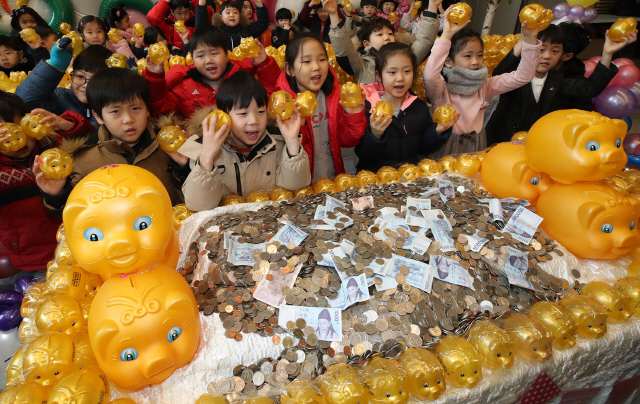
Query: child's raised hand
x: 48, y: 186
x: 290, y: 130
x: 53, y: 121
x: 357, y: 109
x: 139, y: 41
x: 212, y: 142
x: 379, y: 125
x: 154, y: 68
x: 454, y: 119
x: 184, y: 36
x: 450, y: 29
x: 262, y: 56
x: 611, y: 47
x: 331, y: 6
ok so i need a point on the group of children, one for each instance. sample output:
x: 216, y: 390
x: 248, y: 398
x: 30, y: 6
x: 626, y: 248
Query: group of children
x: 112, y: 116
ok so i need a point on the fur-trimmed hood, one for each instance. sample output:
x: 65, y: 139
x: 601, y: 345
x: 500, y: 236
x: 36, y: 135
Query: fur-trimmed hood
x: 216, y: 20
x: 193, y: 125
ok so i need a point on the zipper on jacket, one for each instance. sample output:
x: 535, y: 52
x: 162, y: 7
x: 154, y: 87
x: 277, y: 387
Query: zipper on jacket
x: 238, y: 181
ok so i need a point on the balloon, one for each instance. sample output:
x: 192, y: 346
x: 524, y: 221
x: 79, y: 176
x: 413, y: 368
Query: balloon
x: 631, y: 143
x: 635, y: 89
x: 575, y: 13
x: 10, y: 318
x: 23, y: 283
x: 589, y: 15
x: 629, y: 122
x: 583, y: 3
x: 595, y: 59
x: 9, y: 298
x: 589, y: 67
x: 136, y: 16
x: 616, y: 102
x: 627, y: 76
x: 623, y: 61
x: 634, y: 159
x: 560, y: 10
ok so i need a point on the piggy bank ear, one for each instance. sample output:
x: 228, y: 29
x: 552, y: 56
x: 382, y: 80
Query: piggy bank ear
x: 587, y: 212
x: 150, y: 194
x: 105, y: 333
x: 572, y: 132
x: 519, y: 170
x: 179, y: 301
x: 73, y: 209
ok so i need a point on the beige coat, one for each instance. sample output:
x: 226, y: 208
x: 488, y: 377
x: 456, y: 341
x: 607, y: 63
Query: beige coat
x: 267, y: 166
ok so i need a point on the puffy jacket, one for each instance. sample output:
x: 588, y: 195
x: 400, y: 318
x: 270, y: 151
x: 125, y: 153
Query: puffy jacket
x: 315, y: 24
x: 182, y: 88
x: 410, y: 136
x: 160, y: 16
x: 245, y: 28
x: 345, y: 130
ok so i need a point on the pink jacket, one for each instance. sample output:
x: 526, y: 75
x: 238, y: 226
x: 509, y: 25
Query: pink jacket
x: 121, y: 47
x: 471, y: 107
x: 403, y: 7
x: 373, y: 92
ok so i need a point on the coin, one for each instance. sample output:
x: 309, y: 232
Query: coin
x: 275, y: 339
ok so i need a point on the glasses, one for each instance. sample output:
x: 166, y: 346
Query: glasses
x: 7, y: 55
x: 79, y: 80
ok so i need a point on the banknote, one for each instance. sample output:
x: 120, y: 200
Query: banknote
x: 476, y: 242
x: 288, y: 234
x: 270, y: 291
x: 226, y: 238
x: 523, y: 224
x: 242, y: 253
x: 385, y: 283
x: 450, y: 271
x: 436, y: 214
x: 446, y: 190
x: 420, y: 273
x: 413, y: 217
x: 430, y: 191
x: 326, y: 321
x: 320, y: 214
x: 354, y: 289
x: 442, y: 233
x: 341, y: 218
x: 332, y: 203
x: 495, y: 208
x: 363, y: 202
x: 515, y: 268
x: 419, y: 244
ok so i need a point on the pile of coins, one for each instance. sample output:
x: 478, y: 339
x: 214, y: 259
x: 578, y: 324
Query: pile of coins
x: 402, y: 316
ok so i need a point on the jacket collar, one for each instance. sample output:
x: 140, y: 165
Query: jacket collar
x: 374, y: 91
x: 264, y: 145
x: 103, y: 138
x: 194, y: 74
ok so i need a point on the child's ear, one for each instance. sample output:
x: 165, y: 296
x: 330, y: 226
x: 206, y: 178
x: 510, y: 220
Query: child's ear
x: 448, y: 62
x: 566, y: 56
x: 365, y: 43
x: 100, y: 121
x: 289, y: 70
x: 378, y: 77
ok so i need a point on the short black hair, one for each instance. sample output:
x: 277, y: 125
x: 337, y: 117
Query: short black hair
x: 239, y: 90
x: 115, y: 14
x: 291, y: 54
x: 89, y: 19
x: 151, y: 35
x: 12, y: 105
x: 375, y: 24
x: 391, y: 49
x: 552, y: 34
x: 231, y: 3
x: 395, y: 3
x: 173, y: 4
x: 92, y: 59
x: 110, y: 86
x: 9, y: 42
x: 211, y: 36
x: 460, y: 40
x: 15, y: 20
x: 44, y: 32
x: 577, y: 37
x: 373, y: 3
x: 283, y: 14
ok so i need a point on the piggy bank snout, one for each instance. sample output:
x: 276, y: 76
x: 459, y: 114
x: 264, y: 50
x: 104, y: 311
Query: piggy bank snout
x: 630, y: 240
x: 159, y: 361
x: 122, y: 252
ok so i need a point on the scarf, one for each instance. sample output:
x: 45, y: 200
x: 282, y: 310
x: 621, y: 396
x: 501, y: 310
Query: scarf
x: 464, y: 81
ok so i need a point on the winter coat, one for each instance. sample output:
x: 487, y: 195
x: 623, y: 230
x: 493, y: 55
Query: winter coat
x: 280, y: 36
x: 518, y: 110
x: 345, y: 130
x: 182, y: 88
x: 409, y: 138
x: 315, y: 25
x: 403, y: 7
x: 160, y: 16
x: 245, y: 28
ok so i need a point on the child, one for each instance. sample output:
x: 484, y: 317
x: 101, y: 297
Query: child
x: 12, y: 58
x: 94, y: 32
x: 249, y: 10
x: 549, y: 91
x: 454, y: 74
x: 236, y: 25
x: 165, y: 13
x: 118, y: 18
x: 244, y: 157
x: 21, y: 18
x: 41, y: 47
x: 185, y: 89
x: 373, y: 35
x: 153, y: 35
x: 410, y: 134
x: 119, y: 99
x: 332, y: 126
x: 386, y: 7
x: 40, y: 89
x: 280, y: 35
x: 577, y: 38
x: 315, y: 18
x: 368, y: 9
x: 410, y: 24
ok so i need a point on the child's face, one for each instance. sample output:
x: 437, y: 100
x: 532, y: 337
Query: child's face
x: 181, y: 13
x: 368, y: 11
x: 388, y: 7
x: 231, y: 16
x: 93, y: 34
x: 160, y: 38
x: 124, y: 24
x: 283, y: 22
x: 322, y: 14
x: 247, y: 9
x: 469, y: 57
x: 379, y: 38
x: 126, y: 121
x: 50, y: 41
x: 79, y: 82
x: 248, y: 124
x: 210, y: 61
x: 9, y: 57
x: 311, y: 67
x: 26, y: 150
x: 397, y: 76
x: 26, y: 21
x: 550, y: 55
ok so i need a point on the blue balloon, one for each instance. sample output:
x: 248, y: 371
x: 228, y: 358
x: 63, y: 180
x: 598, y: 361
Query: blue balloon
x: 629, y: 122
x: 23, y: 284
x: 10, y: 297
x: 633, y: 159
x: 10, y: 318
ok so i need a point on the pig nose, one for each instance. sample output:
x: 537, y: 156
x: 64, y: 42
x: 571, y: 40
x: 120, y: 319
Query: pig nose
x: 159, y: 361
x: 628, y: 241
x: 613, y: 156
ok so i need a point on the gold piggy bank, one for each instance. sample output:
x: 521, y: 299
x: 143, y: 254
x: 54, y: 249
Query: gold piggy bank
x: 618, y: 305
x: 77, y: 44
x: 258, y: 196
x: 536, y: 16
x: 231, y: 199
x: 25, y: 393
x: 630, y: 287
x: 425, y: 375
x: 56, y: 164
x: 460, y: 13
x: 558, y: 320
x: 114, y: 35
x: 382, y: 108
x: 350, y: 95
x: 14, y: 368
x: 159, y: 53
x: 303, y: 192
x: 179, y: 26
x: 588, y: 314
x: 366, y: 177
x: 430, y: 167
x: 30, y: 124
x: 249, y: 47
x: 344, y: 181
x: 223, y: 118
x: 307, y: 103
x: 281, y: 104
x: 16, y: 139
x: 468, y: 164
x: 461, y: 361
x: 531, y: 338
x: 591, y: 220
x: 449, y: 163
x: 409, y: 172
x: 85, y: 386
x: 60, y: 314
x: 341, y: 384
x: 301, y: 392
x: 65, y: 28
x: 386, y: 381
x: 493, y: 345
x: 138, y: 29
x: 323, y: 185
x: 280, y: 194
x: 444, y: 114
x: 177, y: 60
x: 48, y: 359
x: 388, y: 174
x: 171, y: 138
x: 180, y: 214
x: 29, y: 35
x: 621, y: 28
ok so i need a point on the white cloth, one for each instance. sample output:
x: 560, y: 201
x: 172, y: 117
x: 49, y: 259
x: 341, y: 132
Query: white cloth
x: 536, y: 86
x: 323, y: 159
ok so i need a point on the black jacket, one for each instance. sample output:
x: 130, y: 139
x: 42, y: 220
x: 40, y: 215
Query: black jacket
x: 518, y: 110
x: 280, y: 36
x: 253, y: 29
x: 408, y: 139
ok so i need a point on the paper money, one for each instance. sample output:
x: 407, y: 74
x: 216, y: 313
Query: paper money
x: 495, y: 208
x: 386, y: 283
x: 450, y: 271
x: 326, y: 321
x: 320, y: 214
x: 226, y: 239
x: 430, y: 191
x: 337, y: 252
x: 362, y: 202
x: 289, y: 233
x: 441, y: 232
x: 515, y: 267
x: 345, y: 220
x: 436, y: 214
x: 332, y: 203
x: 270, y: 291
x: 446, y: 190
x: 242, y: 253
x: 420, y: 273
x: 476, y: 242
x: 413, y: 217
x: 354, y: 289
x: 523, y: 224
x: 419, y: 244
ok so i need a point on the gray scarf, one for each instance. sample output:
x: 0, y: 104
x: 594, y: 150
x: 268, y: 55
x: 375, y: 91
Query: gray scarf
x: 464, y: 81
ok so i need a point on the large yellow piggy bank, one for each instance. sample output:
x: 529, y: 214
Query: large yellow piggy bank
x: 48, y: 359
x: 574, y: 145
x: 25, y: 393
x: 281, y: 104
x: 493, y: 344
x: 301, y: 392
x: 30, y: 124
x: 461, y: 361
x: 425, y: 375
x: 505, y: 173
x: 618, y: 305
x: 558, y: 320
x: 144, y: 326
x: 590, y: 220
x: 118, y: 219
x: 86, y: 386
x: 621, y: 28
x: 531, y: 338
x: 386, y: 381
x: 16, y: 139
x: 341, y: 384
x: 536, y: 16
x: 56, y: 164
x: 590, y: 316
x: 60, y: 313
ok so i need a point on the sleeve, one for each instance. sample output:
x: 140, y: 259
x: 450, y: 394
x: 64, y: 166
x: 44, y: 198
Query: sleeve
x: 279, y: 40
x: 268, y: 73
x: 162, y: 101
x: 592, y: 86
x: 81, y: 125
x: 55, y: 203
x: 353, y: 126
x: 293, y: 172
x: 371, y: 147
x: 425, y: 36
x: 305, y: 15
x: 349, y: 26
x: 405, y: 22
x: 503, y: 83
x: 123, y: 48
x: 507, y: 65
x: 37, y: 90
x: 434, y: 83
x: 139, y: 53
x: 202, y: 190
x: 202, y: 17
x: 257, y: 27
x: 432, y: 139
x: 343, y: 46
x: 157, y: 15
x: 40, y: 53
x: 403, y: 8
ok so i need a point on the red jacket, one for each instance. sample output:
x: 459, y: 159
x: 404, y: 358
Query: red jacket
x: 160, y: 16
x: 182, y: 88
x: 345, y: 130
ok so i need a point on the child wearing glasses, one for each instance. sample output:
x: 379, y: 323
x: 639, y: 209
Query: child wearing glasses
x: 12, y: 58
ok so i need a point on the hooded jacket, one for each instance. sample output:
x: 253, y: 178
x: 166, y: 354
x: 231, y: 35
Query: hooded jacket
x: 245, y: 28
x: 160, y: 16
x: 345, y: 130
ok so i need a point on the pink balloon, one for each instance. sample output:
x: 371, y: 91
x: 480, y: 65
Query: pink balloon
x: 627, y: 76
x: 631, y: 143
x: 589, y: 67
x: 596, y: 59
x: 623, y: 61
x: 136, y: 16
x: 635, y: 89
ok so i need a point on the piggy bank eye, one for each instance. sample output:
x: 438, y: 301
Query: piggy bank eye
x: 620, y: 308
x: 618, y: 142
x: 173, y: 334
x: 535, y: 349
x: 438, y: 381
x: 128, y: 354
x: 601, y: 324
x: 142, y: 223
x: 590, y: 326
x: 93, y: 234
x: 461, y: 374
x: 510, y: 353
x: 534, y: 181
x: 632, y: 225
x: 606, y: 228
x: 400, y: 392
x: 499, y: 355
x: 593, y: 145
x: 426, y: 385
x: 388, y: 394
x: 476, y: 371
